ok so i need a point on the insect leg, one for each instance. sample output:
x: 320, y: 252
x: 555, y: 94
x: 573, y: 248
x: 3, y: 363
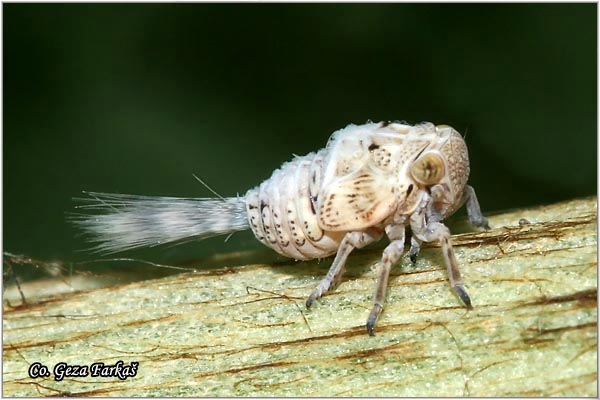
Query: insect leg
x: 433, y: 231
x: 351, y: 241
x: 415, y: 248
x: 391, y: 255
x: 476, y: 218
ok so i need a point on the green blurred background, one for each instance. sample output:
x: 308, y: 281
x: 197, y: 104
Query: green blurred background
x: 136, y: 98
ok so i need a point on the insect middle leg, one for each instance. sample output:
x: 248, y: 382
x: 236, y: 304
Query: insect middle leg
x: 351, y: 241
x: 391, y: 255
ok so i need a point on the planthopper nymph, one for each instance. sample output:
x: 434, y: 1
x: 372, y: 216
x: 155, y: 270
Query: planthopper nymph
x: 370, y: 180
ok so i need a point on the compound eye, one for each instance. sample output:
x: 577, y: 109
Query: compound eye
x: 428, y: 169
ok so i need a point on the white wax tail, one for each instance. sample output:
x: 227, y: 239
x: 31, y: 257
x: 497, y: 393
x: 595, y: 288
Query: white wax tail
x: 119, y: 222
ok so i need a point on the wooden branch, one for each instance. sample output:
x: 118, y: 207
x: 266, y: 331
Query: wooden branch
x: 244, y: 331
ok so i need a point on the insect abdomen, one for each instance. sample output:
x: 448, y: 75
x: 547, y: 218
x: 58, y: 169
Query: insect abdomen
x: 282, y: 211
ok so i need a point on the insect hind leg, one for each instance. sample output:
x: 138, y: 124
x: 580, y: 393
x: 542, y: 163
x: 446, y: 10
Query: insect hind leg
x: 476, y: 218
x: 351, y: 241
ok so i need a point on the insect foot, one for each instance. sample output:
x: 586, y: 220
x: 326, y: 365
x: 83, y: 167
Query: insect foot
x: 415, y: 248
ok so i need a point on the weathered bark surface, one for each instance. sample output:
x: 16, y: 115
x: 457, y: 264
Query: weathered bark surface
x: 244, y: 331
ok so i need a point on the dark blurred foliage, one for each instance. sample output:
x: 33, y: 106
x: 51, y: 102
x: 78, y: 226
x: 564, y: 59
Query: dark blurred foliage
x: 135, y: 98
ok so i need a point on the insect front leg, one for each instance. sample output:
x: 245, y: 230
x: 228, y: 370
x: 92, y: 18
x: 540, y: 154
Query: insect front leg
x: 415, y: 248
x: 476, y: 218
x: 433, y: 230
x: 391, y: 255
x: 352, y: 240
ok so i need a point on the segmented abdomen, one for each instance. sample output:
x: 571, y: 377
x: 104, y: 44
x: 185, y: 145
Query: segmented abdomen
x: 282, y: 211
